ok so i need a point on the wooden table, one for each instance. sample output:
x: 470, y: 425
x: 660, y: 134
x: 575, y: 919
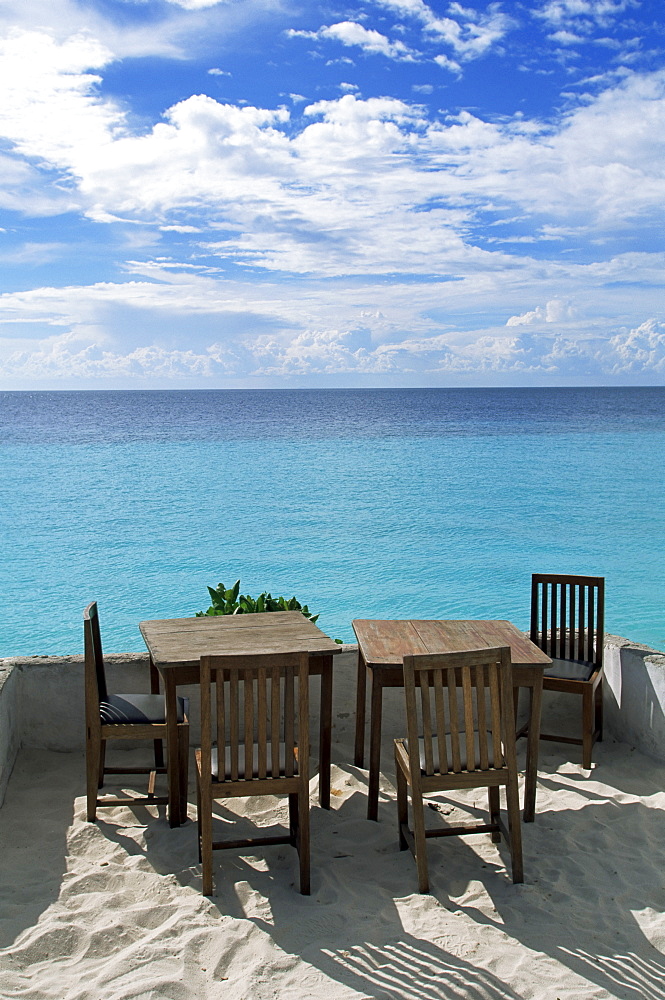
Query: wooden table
x: 176, y: 645
x: 381, y: 646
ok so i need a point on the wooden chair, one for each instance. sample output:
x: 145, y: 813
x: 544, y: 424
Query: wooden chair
x: 444, y: 751
x: 123, y: 717
x: 567, y: 623
x: 262, y: 746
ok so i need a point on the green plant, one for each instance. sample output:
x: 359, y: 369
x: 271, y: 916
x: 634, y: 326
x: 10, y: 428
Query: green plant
x: 229, y: 601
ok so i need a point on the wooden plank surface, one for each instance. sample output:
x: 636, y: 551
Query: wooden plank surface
x: 384, y: 643
x: 213, y: 622
x: 181, y: 641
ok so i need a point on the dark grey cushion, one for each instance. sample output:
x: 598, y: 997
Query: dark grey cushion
x: 137, y: 709
x: 571, y: 670
x: 449, y: 751
x: 241, y: 762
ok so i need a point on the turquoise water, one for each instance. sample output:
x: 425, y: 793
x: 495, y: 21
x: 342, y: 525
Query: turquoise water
x: 362, y: 503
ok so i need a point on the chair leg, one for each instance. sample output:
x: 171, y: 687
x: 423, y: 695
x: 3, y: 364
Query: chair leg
x: 494, y: 800
x: 361, y: 699
x: 198, y: 815
x: 183, y: 764
x: 599, y: 710
x: 102, y: 761
x: 92, y: 756
x: 158, y: 745
x: 293, y: 819
x: 159, y: 754
x: 516, y: 704
x: 303, y: 840
x: 588, y: 713
x: 402, y: 805
x: 514, y: 829
x: 205, y: 820
x: 420, y: 841
x: 374, y: 748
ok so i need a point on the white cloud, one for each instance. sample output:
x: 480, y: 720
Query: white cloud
x: 197, y: 4
x: 308, y: 328
x: 49, y: 107
x: 641, y: 349
x: 555, y: 311
x: 566, y: 38
x: 372, y: 186
x: 351, y: 33
x: 450, y: 64
x: 468, y: 32
x: 562, y: 12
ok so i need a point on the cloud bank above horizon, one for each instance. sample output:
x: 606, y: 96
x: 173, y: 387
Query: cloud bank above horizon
x: 253, y: 193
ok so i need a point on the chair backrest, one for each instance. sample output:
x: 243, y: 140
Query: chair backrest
x: 567, y: 616
x: 261, y: 714
x: 459, y: 709
x: 95, y: 676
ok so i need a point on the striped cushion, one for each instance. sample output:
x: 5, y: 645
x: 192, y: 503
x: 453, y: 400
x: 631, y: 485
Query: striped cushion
x: 570, y: 670
x: 137, y: 709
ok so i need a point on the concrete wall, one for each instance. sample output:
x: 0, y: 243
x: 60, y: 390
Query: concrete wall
x: 634, y: 695
x: 41, y: 703
x: 10, y: 730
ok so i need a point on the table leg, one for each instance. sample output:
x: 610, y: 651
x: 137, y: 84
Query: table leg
x: 154, y: 689
x: 376, y: 689
x: 172, y: 749
x: 361, y: 694
x: 325, y: 731
x: 533, y: 739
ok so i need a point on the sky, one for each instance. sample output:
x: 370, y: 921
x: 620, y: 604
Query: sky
x: 267, y: 193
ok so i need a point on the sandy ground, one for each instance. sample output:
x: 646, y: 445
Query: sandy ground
x: 114, y: 910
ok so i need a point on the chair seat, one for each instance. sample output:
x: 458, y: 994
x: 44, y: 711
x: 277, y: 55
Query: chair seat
x: 570, y: 670
x: 214, y: 760
x: 449, y: 752
x: 138, y: 709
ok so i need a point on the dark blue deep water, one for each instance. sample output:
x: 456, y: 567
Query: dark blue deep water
x: 361, y: 502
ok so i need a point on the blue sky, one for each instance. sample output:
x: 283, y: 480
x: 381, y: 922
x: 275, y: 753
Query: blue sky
x: 213, y: 193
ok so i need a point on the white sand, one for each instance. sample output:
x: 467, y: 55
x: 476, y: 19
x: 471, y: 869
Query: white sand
x: 114, y: 910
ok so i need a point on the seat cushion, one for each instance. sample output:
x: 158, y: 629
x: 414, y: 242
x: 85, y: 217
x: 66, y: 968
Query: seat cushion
x: 449, y: 752
x: 241, y: 763
x: 137, y: 709
x: 570, y: 670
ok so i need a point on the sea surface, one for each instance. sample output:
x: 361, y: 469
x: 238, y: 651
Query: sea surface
x: 363, y: 503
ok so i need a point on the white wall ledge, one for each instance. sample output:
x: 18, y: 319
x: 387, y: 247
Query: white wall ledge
x: 42, y: 706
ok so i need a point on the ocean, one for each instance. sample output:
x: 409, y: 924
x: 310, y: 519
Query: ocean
x: 363, y: 503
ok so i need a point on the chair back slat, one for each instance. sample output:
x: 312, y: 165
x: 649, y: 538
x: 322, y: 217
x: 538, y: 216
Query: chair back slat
x: 274, y: 722
x: 479, y: 676
x: 234, y: 725
x: 451, y: 684
x: 567, y: 616
x: 467, y: 697
x: 257, y: 729
x: 439, y: 701
x: 247, y: 739
x: 289, y: 720
x: 463, y: 727
x: 222, y: 709
x: 94, y: 658
x: 497, y: 706
x: 426, y: 713
x: 262, y: 721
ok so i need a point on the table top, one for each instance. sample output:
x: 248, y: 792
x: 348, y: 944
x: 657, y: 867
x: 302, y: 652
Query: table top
x: 385, y: 642
x: 176, y: 642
